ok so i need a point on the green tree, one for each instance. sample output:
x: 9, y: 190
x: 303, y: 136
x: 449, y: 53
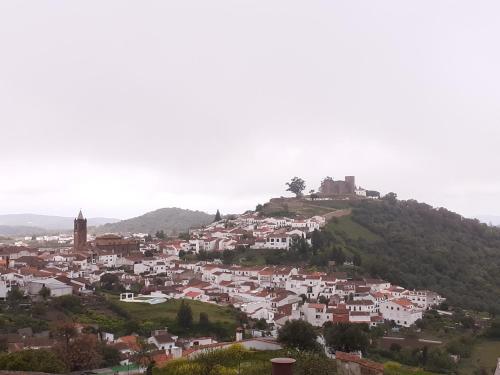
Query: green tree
x: 298, y: 334
x: 323, y: 299
x: 494, y: 330
x: 227, y: 256
x: 160, y: 234
x: 218, y: 216
x: 44, y: 292
x: 356, y: 260
x: 111, y: 282
x: 4, y: 345
x: 261, y: 324
x: 40, y: 360
x: 296, y: 186
x: 80, y: 353
x: 185, y: 315
x: 204, y: 320
x: 317, y: 240
x: 144, y: 356
x: 391, y: 197
x: 184, y: 236
x: 346, y: 337
x: 439, y: 361
x: 69, y: 303
x: 109, y: 354
x: 14, y: 297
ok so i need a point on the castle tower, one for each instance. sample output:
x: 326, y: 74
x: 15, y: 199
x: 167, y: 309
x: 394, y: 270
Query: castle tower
x: 351, y: 184
x: 80, y: 233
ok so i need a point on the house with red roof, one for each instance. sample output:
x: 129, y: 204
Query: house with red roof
x: 401, y: 311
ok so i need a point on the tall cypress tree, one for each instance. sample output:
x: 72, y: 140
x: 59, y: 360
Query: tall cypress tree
x: 217, y: 216
x: 185, y: 315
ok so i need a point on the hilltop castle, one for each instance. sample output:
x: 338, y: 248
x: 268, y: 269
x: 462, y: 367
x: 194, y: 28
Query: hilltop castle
x: 330, y: 187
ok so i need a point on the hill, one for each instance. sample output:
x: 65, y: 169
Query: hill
x: 171, y: 220
x: 406, y: 242
x: 48, y: 222
x: 19, y: 230
x: 418, y: 246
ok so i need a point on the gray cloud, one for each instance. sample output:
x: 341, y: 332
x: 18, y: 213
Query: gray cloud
x: 121, y: 107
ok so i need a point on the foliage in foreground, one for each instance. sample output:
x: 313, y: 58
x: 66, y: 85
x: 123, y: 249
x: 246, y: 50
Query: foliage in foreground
x: 298, y: 334
x: 238, y: 360
x: 32, y: 360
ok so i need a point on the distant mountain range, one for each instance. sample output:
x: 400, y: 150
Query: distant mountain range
x: 29, y: 224
x: 19, y: 230
x: 489, y: 219
x: 171, y: 220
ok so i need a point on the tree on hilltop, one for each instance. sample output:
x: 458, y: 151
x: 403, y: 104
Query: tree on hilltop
x: 391, y: 197
x: 218, y: 216
x: 296, y: 186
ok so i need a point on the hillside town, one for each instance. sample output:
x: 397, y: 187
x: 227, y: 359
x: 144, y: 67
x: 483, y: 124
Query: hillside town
x: 152, y: 272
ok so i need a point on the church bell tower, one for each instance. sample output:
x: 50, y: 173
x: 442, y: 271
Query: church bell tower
x: 80, y: 233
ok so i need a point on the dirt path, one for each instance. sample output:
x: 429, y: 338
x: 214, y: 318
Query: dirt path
x: 337, y: 213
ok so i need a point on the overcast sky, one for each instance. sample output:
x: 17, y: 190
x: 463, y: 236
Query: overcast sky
x: 121, y: 107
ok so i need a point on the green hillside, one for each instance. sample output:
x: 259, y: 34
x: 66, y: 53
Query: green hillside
x: 418, y: 246
x: 172, y: 220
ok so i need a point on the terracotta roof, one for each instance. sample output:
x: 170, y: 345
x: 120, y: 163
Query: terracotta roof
x: 403, y: 302
x: 164, y: 338
x: 346, y: 357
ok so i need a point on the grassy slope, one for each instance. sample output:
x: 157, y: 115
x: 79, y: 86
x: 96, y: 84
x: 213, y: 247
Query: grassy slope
x: 484, y: 355
x: 302, y: 207
x: 351, y: 229
x: 168, y: 310
x: 394, y: 368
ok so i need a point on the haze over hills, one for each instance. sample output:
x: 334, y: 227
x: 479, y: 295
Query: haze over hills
x: 17, y: 224
x: 20, y: 230
x: 172, y: 220
x: 489, y: 219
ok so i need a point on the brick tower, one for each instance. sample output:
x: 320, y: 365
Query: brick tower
x: 80, y: 233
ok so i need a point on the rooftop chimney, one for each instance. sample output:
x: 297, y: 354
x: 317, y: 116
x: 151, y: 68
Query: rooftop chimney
x: 282, y: 366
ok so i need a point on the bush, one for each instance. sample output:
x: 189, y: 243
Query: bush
x: 68, y: 303
x: 32, y: 360
x: 298, y: 334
